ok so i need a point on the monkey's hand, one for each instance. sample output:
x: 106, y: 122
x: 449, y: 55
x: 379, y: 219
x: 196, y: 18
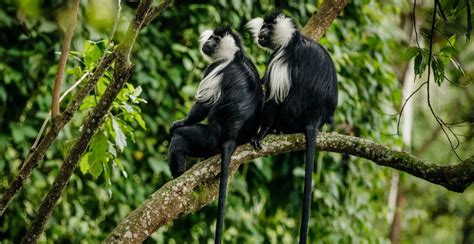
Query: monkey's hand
x: 256, y: 142
x: 177, y: 124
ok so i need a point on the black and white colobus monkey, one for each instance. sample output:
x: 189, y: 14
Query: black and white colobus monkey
x: 301, y: 86
x: 230, y: 96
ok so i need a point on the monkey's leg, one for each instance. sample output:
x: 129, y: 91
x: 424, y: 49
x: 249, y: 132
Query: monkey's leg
x: 311, y: 134
x: 197, y: 114
x: 271, y: 110
x: 177, y: 155
x: 194, y: 141
x: 228, y: 148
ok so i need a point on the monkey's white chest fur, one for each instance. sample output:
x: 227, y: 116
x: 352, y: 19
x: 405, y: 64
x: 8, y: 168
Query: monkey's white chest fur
x: 278, y: 75
x: 209, y: 90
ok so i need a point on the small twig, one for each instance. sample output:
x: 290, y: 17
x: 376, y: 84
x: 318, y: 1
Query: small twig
x: 438, y: 119
x: 405, y: 103
x: 63, y: 58
x: 441, y: 11
x: 114, y: 28
x: 455, y: 84
x: 45, y: 122
x: 37, y: 155
x: 414, y: 25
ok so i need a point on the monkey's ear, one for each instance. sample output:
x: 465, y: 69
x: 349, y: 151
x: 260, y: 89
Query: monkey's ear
x: 205, y: 35
x: 254, y: 25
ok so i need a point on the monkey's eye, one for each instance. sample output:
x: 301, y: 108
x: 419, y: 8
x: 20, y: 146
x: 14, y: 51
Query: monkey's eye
x: 267, y: 26
x: 215, y: 38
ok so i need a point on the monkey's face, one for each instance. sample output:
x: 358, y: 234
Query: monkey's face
x: 273, y: 31
x: 265, y: 35
x: 220, y: 43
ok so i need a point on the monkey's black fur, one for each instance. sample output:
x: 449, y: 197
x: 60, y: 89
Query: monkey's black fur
x: 232, y: 119
x: 311, y: 100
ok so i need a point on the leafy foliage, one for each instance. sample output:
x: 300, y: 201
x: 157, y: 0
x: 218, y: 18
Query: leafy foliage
x: 126, y: 160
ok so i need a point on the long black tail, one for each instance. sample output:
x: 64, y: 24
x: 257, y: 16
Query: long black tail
x: 311, y: 134
x: 226, y: 154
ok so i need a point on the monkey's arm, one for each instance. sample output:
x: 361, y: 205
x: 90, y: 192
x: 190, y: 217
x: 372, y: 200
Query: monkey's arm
x: 197, y: 114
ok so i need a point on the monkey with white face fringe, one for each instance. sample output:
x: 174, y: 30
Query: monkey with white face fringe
x: 230, y: 97
x: 301, y: 86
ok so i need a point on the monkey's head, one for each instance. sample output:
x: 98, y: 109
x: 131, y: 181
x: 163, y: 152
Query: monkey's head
x: 220, y: 43
x: 273, y: 31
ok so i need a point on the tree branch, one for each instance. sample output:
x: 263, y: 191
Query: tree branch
x: 123, y: 69
x: 63, y: 59
x: 321, y: 20
x: 177, y: 196
x: 199, y: 185
x: 36, y: 154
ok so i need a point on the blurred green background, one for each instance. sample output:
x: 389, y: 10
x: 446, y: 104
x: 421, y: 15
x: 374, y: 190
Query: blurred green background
x: 369, y: 44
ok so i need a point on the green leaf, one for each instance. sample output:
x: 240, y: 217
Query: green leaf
x: 448, y: 51
x: 138, y: 90
x: 108, y: 182
x: 47, y: 26
x: 120, y: 139
x: 138, y: 117
x: 188, y: 65
x: 112, y: 150
x: 120, y: 166
x: 452, y: 40
x: 29, y: 132
x: 410, y: 53
x: 102, y: 85
x: 17, y: 134
x: 438, y: 71
x: 96, y: 169
x: 99, y: 146
x: 179, y: 48
x: 421, y: 62
x: 84, y: 163
x: 92, y: 53
x: 99, y: 154
x: 89, y: 102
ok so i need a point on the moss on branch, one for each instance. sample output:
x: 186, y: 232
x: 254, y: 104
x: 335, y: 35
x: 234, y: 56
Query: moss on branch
x: 199, y: 185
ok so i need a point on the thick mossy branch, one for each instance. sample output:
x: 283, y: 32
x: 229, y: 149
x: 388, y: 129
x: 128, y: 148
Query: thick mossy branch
x: 199, y: 185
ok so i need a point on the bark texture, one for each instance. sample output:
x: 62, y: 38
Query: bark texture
x: 63, y: 59
x: 122, y: 72
x: 36, y: 154
x: 199, y: 185
x: 321, y: 20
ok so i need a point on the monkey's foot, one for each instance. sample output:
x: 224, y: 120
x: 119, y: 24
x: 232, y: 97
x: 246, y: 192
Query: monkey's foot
x: 256, y: 143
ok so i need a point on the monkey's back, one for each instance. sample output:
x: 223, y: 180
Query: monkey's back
x: 313, y: 93
x: 237, y: 112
